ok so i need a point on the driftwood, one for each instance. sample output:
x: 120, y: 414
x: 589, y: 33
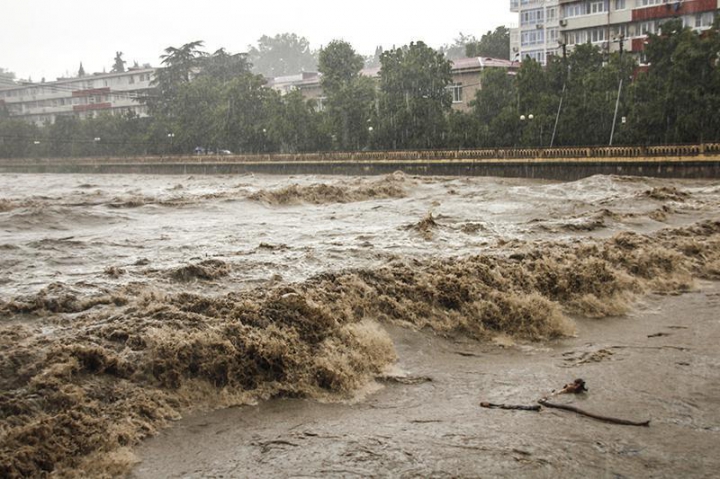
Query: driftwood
x: 576, y: 387
x: 611, y: 420
x: 511, y: 407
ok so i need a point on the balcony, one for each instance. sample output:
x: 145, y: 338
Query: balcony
x: 673, y: 9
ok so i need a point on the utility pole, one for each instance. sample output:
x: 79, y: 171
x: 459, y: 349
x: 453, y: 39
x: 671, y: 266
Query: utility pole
x: 621, y: 39
x: 563, y: 44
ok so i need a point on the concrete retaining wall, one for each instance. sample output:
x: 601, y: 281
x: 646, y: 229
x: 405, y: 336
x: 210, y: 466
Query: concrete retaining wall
x: 559, y: 169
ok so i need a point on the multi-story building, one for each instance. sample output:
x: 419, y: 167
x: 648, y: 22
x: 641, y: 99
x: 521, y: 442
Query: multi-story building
x: 611, y: 24
x: 538, y: 29
x: 84, y: 97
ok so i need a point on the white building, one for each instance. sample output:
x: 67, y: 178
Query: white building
x: 538, y: 29
x: 547, y: 25
x: 116, y: 93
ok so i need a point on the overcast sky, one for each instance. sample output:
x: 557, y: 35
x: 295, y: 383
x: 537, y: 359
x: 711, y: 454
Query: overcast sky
x: 47, y: 38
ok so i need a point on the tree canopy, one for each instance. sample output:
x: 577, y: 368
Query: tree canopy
x: 414, y: 98
x: 283, y: 54
x: 349, y: 96
x: 494, y: 44
x: 118, y: 64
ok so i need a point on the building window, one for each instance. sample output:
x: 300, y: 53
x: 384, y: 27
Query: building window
x: 532, y: 37
x: 598, y: 7
x: 597, y: 35
x: 553, y: 34
x: 531, y: 17
x: 538, y: 56
x: 649, y: 3
x: 704, y: 20
x: 620, y: 5
x: 457, y: 92
x: 620, y: 30
x: 648, y: 28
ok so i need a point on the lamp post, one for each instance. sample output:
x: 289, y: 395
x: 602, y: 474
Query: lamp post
x: 171, y: 136
x: 96, y: 142
x: 523, y: 119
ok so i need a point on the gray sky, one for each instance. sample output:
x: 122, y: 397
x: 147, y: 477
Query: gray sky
x: 47, y: 38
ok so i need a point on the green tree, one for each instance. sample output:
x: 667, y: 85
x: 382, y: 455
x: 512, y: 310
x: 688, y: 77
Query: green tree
x: 494, y: 44
x: 224, y: 66
x: 193, y: 118
x: 283, y: 54
x: 589, y: 101
x: 495, y: 107
x: 414, y: 99
x: 17, y: 139
x: 464, y: 130
x: 118, y: 64
x: 178, y: 66
x: 296, y: 126
x: 244, y: 118
x: 349, y: 96
x: 676, y: 99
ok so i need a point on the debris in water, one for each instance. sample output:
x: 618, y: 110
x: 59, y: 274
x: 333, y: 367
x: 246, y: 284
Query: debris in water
x: 575, y: 387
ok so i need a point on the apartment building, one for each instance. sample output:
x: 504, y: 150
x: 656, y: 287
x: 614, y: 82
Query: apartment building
x: 116, y: 93
x: 610, y: 24
x: 538, y: 31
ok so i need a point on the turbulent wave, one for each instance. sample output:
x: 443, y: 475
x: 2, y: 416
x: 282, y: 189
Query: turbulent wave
x: 390, y: 186
x: 85, y: 378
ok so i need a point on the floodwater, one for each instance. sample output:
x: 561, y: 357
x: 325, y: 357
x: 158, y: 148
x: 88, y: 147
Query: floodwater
x: 129, y: 301
x: 71, y: 228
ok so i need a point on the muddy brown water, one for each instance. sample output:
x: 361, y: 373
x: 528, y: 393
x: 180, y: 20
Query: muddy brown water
x: 93, y: 271
x: 437, y: 429
x: 71, y: 228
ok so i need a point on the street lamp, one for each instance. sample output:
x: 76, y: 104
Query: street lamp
x: 171, y: 136
x: 530, y: 117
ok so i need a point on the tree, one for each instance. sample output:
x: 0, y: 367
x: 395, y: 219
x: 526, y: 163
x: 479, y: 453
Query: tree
x: 495, y: 107
x: 193, y: 116
x: 179, y: 64
x: 118, y: 64
x: 350, y: 96
x: 537, y: 103
x: 244, y: 119
x: 458, y: 48
x: 676, y: 99
x: 17, y: 139
x: 414, y: 98
x: 81, y: 70
x: 284, y: 54
x: 224, y: 66
x: 296, y: 125
x: 493, y: 44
